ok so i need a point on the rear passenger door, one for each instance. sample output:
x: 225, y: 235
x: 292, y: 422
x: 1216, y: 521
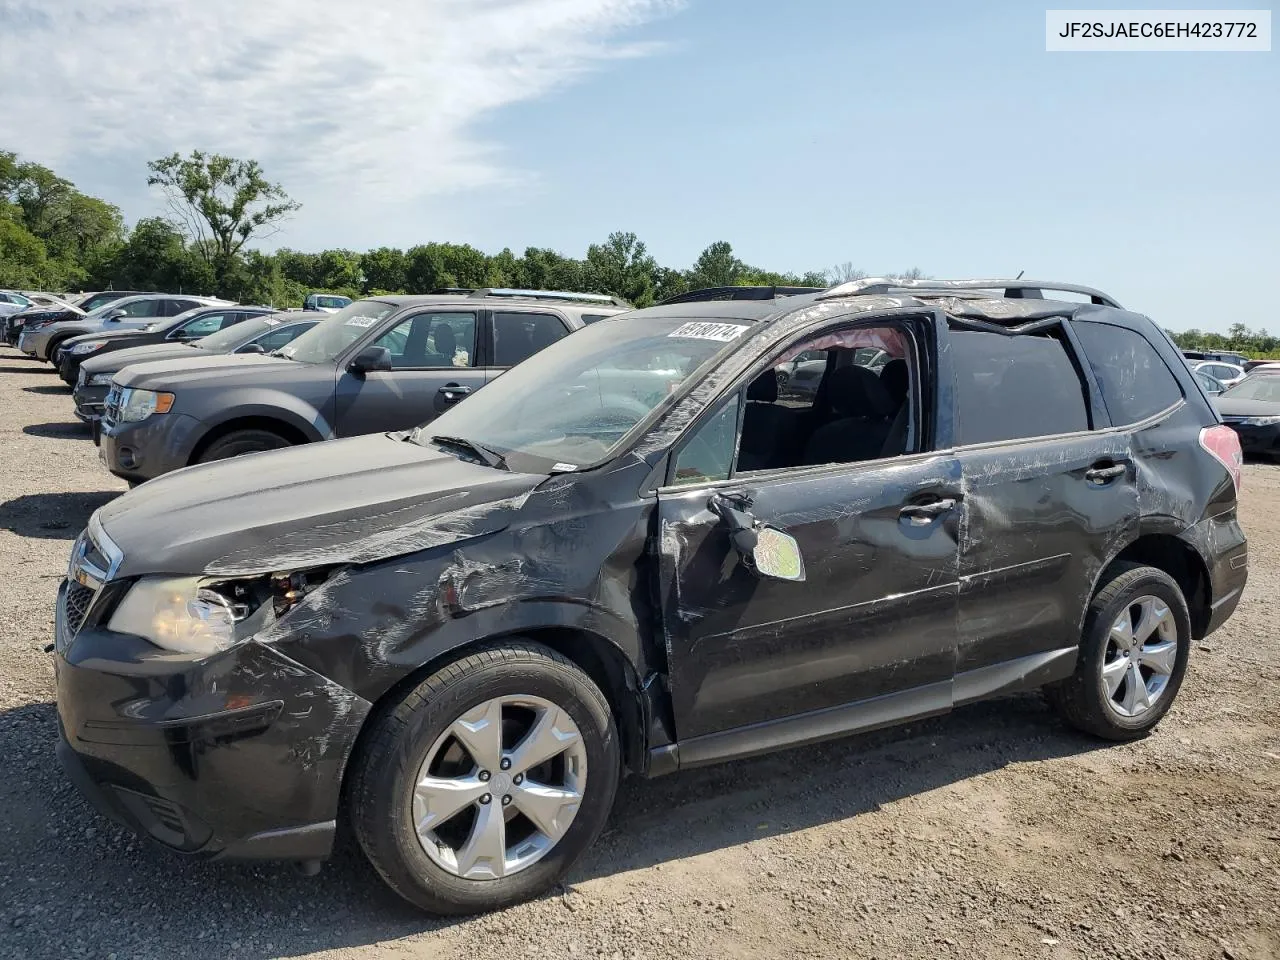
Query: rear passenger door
x: 433, y: 356
x: 1049, y: 499
x: 516, y: 335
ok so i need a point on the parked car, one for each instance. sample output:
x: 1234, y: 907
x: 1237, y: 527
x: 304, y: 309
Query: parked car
x: 1252, y: 409
x: 388, y: 363
x: 325, y: 302
x: 11, y: 301
x: 258, y: 335
x: 625, y: 554
x: 1228, y: 374
x: 189, y: 326
x: 43, y: 338
x: 1211, y: 386
x: 59, y: 309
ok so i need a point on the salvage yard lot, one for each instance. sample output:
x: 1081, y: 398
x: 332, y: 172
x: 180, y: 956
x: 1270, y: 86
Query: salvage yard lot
x: 994, y: 832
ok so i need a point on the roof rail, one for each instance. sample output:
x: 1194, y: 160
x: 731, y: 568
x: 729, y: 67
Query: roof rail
x: 599, y: 298
x: 462, y: 291
x: 1010, y: 289
x: 737, y: 293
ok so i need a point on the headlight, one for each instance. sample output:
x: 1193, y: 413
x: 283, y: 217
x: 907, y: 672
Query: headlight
x: 178, y: 614
x: 88, y: 347
x: 137, y: 405
x: 98, y: 379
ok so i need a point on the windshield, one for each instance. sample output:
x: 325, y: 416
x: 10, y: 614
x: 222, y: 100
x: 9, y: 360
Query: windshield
x: 330, y: 303
x: 1255, y: 388
x: 97, y: 300
x: 168, y: 323
x: 327, y: 339
x: 572, y: 404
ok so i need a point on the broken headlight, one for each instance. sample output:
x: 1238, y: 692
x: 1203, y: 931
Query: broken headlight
x: 202, y: 616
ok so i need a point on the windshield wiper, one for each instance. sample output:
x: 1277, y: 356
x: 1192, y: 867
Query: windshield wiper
x: 280, y: 353
x: 490, y: 457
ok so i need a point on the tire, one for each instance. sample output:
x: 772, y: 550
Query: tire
x: 405, y: 736
x: 240, y: 442
x: 1084, y: 699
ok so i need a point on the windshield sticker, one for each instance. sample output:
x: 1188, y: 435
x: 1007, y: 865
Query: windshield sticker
x: 361, y: 321
x: 564, y: 467
x: 272, y: 321
x: 724, y: 332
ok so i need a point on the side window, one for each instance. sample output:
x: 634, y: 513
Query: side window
x: 201, y: 326
x: 708, y: 453
x: 1134, y: 381
x: 172, y: 308
x: 277, y: 338
x: 1014, y: 387
x: 518, y: 336
x: 146, y: 308
x: 431, y: 340
x: 842, y: 396
x: 590, y: 318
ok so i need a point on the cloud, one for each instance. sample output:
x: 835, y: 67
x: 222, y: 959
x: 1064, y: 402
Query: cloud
x: 378, y: 98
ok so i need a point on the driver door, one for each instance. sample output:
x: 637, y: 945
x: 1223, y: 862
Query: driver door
x: 868, y: 638
x: 433, y: 360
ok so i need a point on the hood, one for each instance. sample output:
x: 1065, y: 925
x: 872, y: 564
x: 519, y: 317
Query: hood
x: 1246, y: 408
x: 196, y: 366
x: 113, y: 336
x: 341, y: 501
x: 148, y: 352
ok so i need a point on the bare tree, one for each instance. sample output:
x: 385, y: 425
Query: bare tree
x: 843, y: 273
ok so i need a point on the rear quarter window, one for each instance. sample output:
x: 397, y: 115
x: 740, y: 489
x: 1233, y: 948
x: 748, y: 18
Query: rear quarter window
x: 1134, y: 381
x: 1012, y: 388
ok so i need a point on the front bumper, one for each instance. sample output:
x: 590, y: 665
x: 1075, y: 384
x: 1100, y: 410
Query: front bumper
x: 90, y: 400
x: 240, y: 755
x: 34, y: 343
x: 149, y: 448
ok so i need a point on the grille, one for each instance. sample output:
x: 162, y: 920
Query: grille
x: 77, y: 600
x: 111, y: 407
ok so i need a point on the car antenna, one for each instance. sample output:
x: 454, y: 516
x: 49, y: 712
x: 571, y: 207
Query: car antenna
x: 1020, y: 273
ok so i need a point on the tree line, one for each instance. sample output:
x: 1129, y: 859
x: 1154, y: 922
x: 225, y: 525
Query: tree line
x: 1257, y: 344
x: 53, y: 237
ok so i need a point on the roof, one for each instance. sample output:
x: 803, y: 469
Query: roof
x: 421, y: 299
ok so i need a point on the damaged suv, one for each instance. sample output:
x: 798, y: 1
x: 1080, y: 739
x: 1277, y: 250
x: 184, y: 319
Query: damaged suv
x: 631, y: 553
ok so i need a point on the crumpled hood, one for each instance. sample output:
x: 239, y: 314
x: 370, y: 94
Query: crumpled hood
x: 341, y: 501
x: 205, y: 366
x: 1246, y: 408
x: 146, y: 353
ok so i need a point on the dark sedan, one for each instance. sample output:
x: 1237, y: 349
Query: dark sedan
x: 1252, y: 409
x: 258, y: 334
x: 191, y: 325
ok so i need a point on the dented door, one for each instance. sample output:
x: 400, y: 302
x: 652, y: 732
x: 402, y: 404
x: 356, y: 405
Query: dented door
x: 874, y: 616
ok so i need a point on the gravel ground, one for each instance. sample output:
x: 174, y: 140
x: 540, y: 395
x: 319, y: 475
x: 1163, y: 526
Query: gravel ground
x: 994, y: 832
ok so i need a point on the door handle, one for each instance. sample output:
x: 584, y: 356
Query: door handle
x: 922, y: 513
x: 1105, y: 474
x: 453, y: 392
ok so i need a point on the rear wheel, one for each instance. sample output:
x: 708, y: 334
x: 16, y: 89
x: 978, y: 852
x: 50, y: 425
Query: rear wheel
x: 240, y: 442
x: 1137, y: 638
x: 485, y: 784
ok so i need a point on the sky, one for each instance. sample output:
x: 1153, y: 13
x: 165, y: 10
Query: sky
x: 807, y: 133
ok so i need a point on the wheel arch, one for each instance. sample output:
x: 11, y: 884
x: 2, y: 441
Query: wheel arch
x: 600, y: 659
x: 282, y: 422
x: 1166, y: 551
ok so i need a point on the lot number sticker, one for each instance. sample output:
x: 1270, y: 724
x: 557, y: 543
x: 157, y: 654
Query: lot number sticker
x: 361, y: 321
x: 723, y: 332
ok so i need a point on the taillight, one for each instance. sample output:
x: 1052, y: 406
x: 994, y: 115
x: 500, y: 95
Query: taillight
x: 1224, y: 444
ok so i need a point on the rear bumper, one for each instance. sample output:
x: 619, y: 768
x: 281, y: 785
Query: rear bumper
x: 1225, y: 550
x: 1258, y: 440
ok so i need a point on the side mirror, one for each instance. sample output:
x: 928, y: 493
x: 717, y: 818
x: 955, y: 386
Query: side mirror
x: 370, y: 359
x: 251, y: 348
x: 766, y: 551
x: 115, y: 315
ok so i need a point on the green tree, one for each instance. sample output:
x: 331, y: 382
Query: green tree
x: 384, y: 269
x: 23, y: 260
x: 337, y: 270
x: 155, y: 257
x: 716, y: 266
x: 222, y: 203
x: 622, y: 267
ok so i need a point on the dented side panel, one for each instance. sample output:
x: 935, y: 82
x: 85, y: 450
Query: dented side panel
x: 876, y: 613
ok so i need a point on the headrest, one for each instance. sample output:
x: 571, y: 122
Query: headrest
x: 896, y: 379
x: 764, y: 388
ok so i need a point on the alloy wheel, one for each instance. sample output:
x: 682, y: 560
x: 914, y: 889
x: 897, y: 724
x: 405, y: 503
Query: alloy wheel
x: 500, y: 787
x: 1142, y: 650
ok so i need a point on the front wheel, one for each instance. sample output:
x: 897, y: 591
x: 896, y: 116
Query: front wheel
x: 241, y: 442
x: 1137, y: 638
x: 483, y: 786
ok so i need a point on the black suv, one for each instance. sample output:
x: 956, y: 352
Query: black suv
x: 630, y: 554
x: 185, y: 327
